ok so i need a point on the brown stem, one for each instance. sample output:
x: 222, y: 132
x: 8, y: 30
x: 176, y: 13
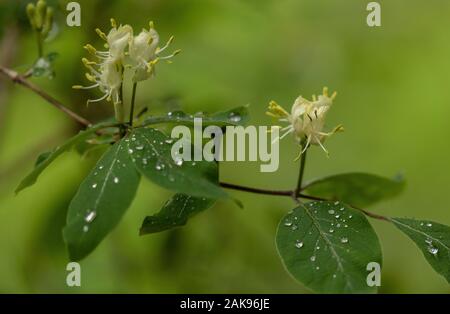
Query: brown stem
x: 255, y: 190
x: 17, y: 78
x: 290, y: 193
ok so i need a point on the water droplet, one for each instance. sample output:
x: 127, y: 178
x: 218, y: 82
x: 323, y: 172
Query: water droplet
x: 331, y: 230
x: 140, y: 147
x: 94, y: 185
x: 317, y: 247
x: 169, y: 113
x: 130, y: 151
x: 85, y: 228
x: 288, y: 223
x: 429, y: 225
x: 336, y: 203
x: 116, y: 180
x: 101, y: 167
x: 159, y: 166
x: 317, y: 267
x: 338, y: 225
x: 350, y: 217
x: 334, y: 275
x: 298, y: 244
x: 344, y: 240
x: 313, y: 258
x: 331, y: 212
x: 337, y: 216
x: 90, y: 216
x: 145, y: 161
x: 234, y: 117
x: 170, y: 141
x: 433, y: 250
x: 342, y: 209
x: 178, y: 161
x: 294, y: 227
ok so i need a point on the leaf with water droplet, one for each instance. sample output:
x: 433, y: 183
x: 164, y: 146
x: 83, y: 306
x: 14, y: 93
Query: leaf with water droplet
x: 175, y: 213
x: 45, y: 159
x: 357, y: 189
x: 155, y: 162
x: 235, y: 116
x: 329, y: 260
x: 432, y: 238
x: 94, y: 212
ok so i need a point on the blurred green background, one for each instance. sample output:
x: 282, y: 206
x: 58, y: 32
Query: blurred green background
x: 393, y: 100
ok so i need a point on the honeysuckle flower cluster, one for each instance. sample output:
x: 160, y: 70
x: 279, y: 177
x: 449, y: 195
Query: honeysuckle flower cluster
x: 139, y: 53
x: 306, y: 119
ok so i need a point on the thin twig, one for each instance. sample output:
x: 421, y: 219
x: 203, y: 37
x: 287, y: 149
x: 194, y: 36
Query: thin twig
x: 17, y: 78
x: 289, y: 193
x: 255, y: 190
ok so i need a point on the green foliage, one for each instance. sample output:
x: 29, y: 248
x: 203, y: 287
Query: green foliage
x: 236, y: 116
x: 45, y: 159
x: 44, y: 66
x: 327, y: 247
x: 151, y: 153
x: 358, y: 189
x: 432, y: 238
x: 101, y: 201
x: 175, y: 213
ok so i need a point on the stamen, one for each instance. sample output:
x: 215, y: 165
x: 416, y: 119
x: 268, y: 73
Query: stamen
x: 159, y: 50
x: 97, y: 100
x: 101, y: 34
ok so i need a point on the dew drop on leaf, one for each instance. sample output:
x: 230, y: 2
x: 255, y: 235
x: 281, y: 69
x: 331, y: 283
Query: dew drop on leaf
x: 234, y: 117
x: 433, y: 250
x: 298, y: 244
x: 344, y: 240
x: 90, y: 216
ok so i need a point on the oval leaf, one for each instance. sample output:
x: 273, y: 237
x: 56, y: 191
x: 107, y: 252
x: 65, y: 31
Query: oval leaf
x: 236, y: 116
x: 327, y: 246
x: 433, y: 240
x: 175, y: 213
x: 357, y: 189
x: 45, y: 159
x: 151, y: 152
x: 101, y: 200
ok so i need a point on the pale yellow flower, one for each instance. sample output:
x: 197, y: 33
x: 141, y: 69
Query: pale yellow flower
x: 306, y: 119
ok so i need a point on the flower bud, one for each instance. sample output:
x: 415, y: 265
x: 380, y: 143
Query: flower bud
x: 41, y: 8
x: 48, y: 22
x: 31, y: 13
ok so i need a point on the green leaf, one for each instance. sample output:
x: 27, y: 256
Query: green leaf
x: 151, y: 151
x: 236, y: 116
x: 327, y: 246
x: 175, y: 213
x: 42, y: 157
x: 44, y: 66
x: 433, y: 239
x: 101, y: 200
x: 357, y: 189
x: 45, y: 159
